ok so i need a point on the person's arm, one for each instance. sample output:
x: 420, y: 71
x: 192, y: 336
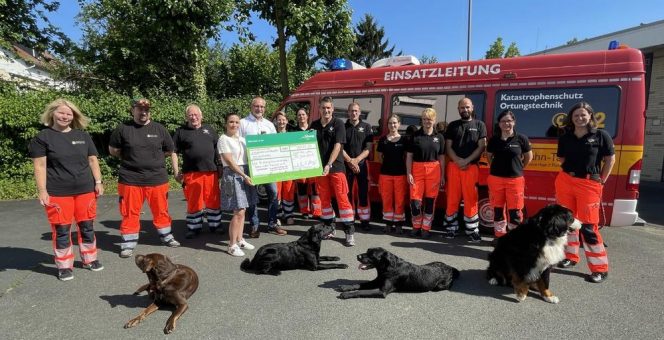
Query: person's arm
x: 96, y: 173
x: 527, y: 157
x: 333, y: 157
x: 450, y: 152
x: 409, y: 167
x: 481, y: 145
x: 115, y: 152
x: 39, y: 164
x: 607, y: 166
x: 230, y: 162
x: 441, y: 160
x: 176, y: 167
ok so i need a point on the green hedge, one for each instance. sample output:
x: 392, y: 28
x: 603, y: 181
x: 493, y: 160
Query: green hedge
x: 20, y: 111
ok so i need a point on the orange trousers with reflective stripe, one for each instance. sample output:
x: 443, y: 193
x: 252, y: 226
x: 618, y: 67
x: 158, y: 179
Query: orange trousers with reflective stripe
x: 286, y: 191
x: 505, y: 193
x: 62, y: 210
x: 583, y: 197
x: 201, y: 190
x: 393, y: 191
x: 462, y: 184
x: 334, y: 185
x: 131, y: 202
x: 427, y: 184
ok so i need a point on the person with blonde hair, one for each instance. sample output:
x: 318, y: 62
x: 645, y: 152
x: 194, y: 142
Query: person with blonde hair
x: 68, y: 182
x: 425, y: 168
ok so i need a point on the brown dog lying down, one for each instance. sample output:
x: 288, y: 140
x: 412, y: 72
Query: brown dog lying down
x: 169, y: 284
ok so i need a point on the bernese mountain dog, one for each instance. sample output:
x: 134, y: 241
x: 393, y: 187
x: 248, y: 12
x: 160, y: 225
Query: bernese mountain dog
x: 524, y: 256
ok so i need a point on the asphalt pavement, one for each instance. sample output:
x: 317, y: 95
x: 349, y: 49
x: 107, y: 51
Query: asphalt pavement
x: 231, y: 304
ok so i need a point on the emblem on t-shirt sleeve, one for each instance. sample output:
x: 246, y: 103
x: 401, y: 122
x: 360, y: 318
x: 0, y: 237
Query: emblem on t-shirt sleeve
x: 361, y: 129
x: 205, y: 131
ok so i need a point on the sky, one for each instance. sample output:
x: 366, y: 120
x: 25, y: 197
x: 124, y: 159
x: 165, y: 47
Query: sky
x: 439, y: 27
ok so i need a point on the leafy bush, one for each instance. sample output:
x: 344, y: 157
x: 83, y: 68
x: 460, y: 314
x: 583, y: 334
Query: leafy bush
x: 19, y: 123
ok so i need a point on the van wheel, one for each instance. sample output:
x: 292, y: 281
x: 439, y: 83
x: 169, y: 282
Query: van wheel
x: 486, y: 214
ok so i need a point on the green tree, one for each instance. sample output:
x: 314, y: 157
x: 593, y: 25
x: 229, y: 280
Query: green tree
x: 425, y: 59
x: 143, y: 45
x: 512, y: 51
x: 572, y: 41
x: 370, y: 44
x: 323, y: 25
x: 496, y: 50
x: 26, y: 22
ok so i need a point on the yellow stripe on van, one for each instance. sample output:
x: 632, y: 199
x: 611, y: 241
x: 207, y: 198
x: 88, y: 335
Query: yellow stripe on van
x: 545, y: 159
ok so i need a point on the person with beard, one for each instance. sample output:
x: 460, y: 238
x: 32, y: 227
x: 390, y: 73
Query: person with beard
x: 142, y: 144
x: 465, y: 140
x: 331, y: 135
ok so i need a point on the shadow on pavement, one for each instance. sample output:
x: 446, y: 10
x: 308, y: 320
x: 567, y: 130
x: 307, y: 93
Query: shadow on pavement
x: 127, y: 300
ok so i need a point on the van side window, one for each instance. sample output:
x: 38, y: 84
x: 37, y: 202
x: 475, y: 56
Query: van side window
x: 371, y: 109
x: 410, y: 106
x: 291, y: 109
x: 541, y: 113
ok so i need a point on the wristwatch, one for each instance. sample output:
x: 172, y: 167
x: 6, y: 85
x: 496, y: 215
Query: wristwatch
x: 98, y: 181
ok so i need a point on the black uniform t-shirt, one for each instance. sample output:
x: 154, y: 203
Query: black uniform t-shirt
x: 507, y: 155
x: 197, y: 146
x: 465, y: 136
x: 67, y: 168
x: 143, y: 148
x: 426, y: 148
x: 328, y: 135
x: 358, y: 138
x: 583, y: 156
x: 394, y: 161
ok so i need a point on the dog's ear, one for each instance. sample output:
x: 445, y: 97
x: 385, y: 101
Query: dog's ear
x: 139, y: 259
x: 387, y: 259
x: 165, y: 265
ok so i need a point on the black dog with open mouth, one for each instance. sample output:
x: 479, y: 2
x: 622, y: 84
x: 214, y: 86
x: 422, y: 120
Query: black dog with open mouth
x: 398, y: 275
x: 301, y: 254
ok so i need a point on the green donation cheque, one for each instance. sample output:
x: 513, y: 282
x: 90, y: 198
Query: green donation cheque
x: 283, y: 156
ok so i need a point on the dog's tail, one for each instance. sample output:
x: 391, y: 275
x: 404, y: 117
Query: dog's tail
x: 246, y: 264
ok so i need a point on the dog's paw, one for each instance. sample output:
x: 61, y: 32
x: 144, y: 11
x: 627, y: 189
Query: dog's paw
x: 169, y: 328
x: 520, y: 298
x: 344, y: 295
x: 132, y: 323
x: 551, y: 299
x: 335, y: 258
x: 493, y: 281
x: 343, y: 266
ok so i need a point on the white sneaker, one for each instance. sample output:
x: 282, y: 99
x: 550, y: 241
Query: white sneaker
x: 246, y: 245
x: 350, y: 240
x: 235, y: 251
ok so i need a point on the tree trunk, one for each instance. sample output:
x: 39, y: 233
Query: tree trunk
x: 281, y: 39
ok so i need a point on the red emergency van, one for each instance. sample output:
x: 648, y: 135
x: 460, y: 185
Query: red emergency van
x: 538, y: 89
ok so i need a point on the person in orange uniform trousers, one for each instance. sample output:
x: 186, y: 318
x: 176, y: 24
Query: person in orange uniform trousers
x: 425, y: 166
x: 392, y: 183
x: 509, y: 153
x: 465, y: 140
x: 142, y: 145
x: 197, y: 142
x: 587, y: 156
x: 285, y: 189
x: 68, y: 182
x: 331, y: 135
x: 307, y: 196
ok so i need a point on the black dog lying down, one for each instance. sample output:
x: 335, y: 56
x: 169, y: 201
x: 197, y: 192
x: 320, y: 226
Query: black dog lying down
x: 524, y: 257
x: 397, y: 275
x: 301, y: 254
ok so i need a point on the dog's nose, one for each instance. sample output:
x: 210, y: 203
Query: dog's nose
x: 359, y: 257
